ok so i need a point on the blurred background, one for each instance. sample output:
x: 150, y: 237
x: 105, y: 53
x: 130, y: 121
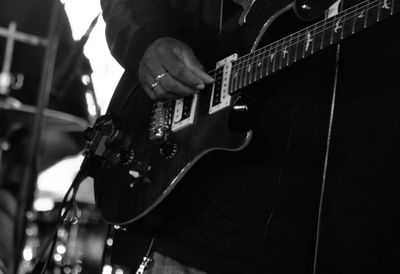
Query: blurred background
x: 82, y: 78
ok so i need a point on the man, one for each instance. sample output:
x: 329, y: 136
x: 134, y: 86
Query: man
x: 312, y: 192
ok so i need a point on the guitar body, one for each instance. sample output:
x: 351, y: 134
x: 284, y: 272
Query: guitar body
x: 125, y: 193
x: 168, y: 139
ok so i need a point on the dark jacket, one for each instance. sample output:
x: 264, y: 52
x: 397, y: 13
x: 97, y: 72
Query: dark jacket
x: 350, y: 218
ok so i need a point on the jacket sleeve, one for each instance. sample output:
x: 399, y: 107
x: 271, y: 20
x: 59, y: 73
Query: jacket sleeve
x: 132, y: 25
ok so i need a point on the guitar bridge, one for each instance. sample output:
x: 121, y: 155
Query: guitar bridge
x: 161, y: 120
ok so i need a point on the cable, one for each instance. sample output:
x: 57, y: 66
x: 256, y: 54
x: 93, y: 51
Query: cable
x: 67, y: 203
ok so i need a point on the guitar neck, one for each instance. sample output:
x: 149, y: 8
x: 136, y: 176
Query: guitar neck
x: 290, y: 49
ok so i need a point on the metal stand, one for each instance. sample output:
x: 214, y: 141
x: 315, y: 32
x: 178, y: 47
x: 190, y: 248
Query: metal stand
x: 28, y: 184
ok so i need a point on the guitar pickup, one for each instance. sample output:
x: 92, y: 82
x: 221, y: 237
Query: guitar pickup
x: 184, y: 112
x: 220, y: 97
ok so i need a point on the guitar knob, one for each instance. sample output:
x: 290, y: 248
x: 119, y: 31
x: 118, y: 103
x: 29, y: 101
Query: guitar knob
x: 127, y: 157
x: 168, y: 150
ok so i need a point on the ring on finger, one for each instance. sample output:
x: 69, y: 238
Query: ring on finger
x: 154, y: 85
x: 157, y: 79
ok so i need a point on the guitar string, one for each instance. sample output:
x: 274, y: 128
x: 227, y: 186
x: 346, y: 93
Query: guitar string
x: 240, y: 62
x: 325, y: 24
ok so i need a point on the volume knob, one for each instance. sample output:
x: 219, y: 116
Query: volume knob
x: 168, y: 150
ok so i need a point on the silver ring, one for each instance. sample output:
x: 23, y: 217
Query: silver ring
x: 153, y: 86
x: 158, y: 78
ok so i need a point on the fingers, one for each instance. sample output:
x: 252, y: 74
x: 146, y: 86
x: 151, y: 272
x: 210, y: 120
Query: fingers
x: 194, y: 65
x: 184, y: 67
x: 165, y: 88
x: 182, y: 74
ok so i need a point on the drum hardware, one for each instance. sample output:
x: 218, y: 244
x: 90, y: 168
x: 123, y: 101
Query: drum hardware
x: 79, y: 244
x: 24, y: 37
x: 28, y: 183
x: 17, y: 113
x: 6, y: 79
x: 33, y: 117
x: 63, y: 217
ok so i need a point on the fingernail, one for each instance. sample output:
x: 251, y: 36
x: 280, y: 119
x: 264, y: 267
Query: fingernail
x: 210, y: 79
x: 200, y: 86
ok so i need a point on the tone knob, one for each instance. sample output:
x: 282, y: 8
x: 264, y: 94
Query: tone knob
x: 168, y: 150
x: 127, y: 157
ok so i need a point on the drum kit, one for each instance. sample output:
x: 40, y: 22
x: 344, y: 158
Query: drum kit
x: 81, y: 240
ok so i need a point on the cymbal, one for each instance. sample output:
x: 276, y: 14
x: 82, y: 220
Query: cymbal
x: 16, y: 112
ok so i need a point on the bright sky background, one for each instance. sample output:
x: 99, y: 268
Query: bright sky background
x: 54, y: 182
x: 106, y: 71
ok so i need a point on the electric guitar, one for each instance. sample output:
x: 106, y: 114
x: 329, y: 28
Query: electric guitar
x: 167, y: 138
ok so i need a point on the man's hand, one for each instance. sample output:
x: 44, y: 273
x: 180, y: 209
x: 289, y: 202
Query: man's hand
x: 169, y: 69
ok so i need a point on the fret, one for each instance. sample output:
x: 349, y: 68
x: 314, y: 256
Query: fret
x: 337, y: 29
x: 257, y: 64
x: 285, y: 53
x: 378, y: 16
x: 272, y: 58
x: 348, y: 23
x: 251, y: 68
x: 267, y: 60
x: 309, y: 41
x: 318, y: 37
x: 393, y: 6
x: 258, y: 69
x: 301, y: 44
x: 291, y: 50
x: 244, y: 70
x: 360, y: 19
x: 314, y: 34
x: 372, y: 16
x: 262, y: 60
x: 282, y: 53
x: 323, y: 34
x: 366, y: 16
x: 265, y: 63
x: 279, y: 54
x: 327, y: 35
x: 294, y: 47
x: 386, y: 9
x: 355, y: 15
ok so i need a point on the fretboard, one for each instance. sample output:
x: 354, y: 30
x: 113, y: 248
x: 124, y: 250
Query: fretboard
x: 290, y: 49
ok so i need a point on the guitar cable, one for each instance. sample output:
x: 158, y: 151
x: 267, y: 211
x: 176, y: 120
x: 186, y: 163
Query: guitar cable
x: 279, y: 179
x: 67, y: 203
